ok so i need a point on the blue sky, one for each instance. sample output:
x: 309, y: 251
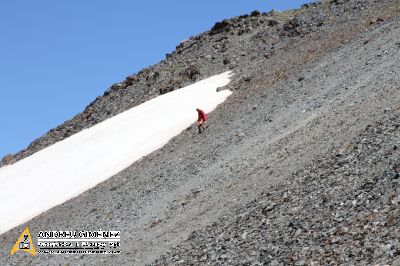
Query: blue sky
x: 57, y: 56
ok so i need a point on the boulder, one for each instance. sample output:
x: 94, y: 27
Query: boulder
x: 7, y: 160
x: 272, y: 22
x: 170, y: 86
x: 291, y: 28
x: 192, y: 72
x: 219, y: 27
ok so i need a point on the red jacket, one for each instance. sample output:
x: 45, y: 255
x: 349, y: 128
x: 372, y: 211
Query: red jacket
x: 202, y: 115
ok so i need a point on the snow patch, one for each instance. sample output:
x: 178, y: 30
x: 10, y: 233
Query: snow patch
x: 80, y: 162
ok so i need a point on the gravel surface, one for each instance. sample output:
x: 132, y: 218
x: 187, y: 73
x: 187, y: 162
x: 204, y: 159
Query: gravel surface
x: 298, y: 166
x: 341, y: 209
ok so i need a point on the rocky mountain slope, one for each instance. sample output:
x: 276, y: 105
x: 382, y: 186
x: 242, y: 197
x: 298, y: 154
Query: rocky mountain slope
x: 299, y: 166
x: 279, y: 41
x: 341, y: 209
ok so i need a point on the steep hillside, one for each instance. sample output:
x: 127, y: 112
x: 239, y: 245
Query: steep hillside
x: 277, y: 41
x: 299, y: 166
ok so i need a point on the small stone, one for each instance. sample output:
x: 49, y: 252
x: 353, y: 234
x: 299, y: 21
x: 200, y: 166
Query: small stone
x: 376, y: 20
x: 396, y: 168
x: 226, y: 61
x: 197, y: 190
x: 247, y: 79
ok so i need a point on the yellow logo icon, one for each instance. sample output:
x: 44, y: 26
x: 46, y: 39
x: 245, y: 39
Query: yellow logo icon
x: 24, y: 243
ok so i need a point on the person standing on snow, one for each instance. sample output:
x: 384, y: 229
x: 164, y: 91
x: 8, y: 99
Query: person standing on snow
x: 201, y: 120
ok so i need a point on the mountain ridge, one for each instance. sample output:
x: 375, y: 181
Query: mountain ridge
x: 182, y: 67
x: 300, y: 165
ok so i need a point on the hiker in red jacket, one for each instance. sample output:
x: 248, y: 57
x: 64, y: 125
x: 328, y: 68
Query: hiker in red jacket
x: 201, y: 120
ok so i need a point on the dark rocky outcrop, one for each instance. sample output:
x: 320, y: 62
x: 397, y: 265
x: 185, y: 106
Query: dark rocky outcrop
x: 219, y: 27
x: 7, y: 159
